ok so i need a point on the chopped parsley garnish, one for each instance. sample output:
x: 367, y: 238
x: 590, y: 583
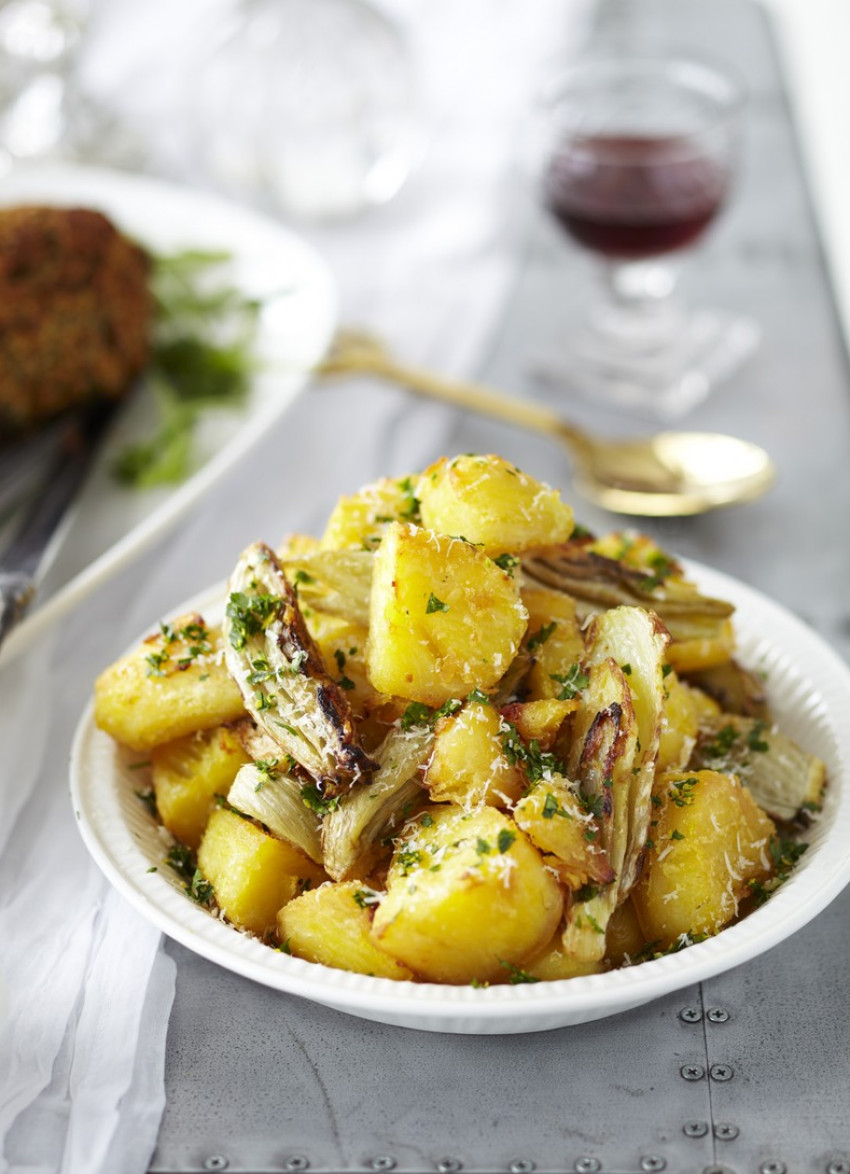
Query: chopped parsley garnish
x: 416, y: 714
x: 572, y: 682
x: 200, y: 889
x: 507, y: 563
x: 316, y: 801
x: 662, y: 567
x: 250, y: 614
x: 505, y: 839
x: 181, y: 860
x: 724, y: 740
x: 516, y: 975
x: 541, y: 636
x: 538, y: 764
x: 551, y: 808
x: 682, y: 793
x: 366, y: 898
x: 755, y: 741
x: 157, y: 662
x: 435, y: 604
x: 408, y: 859
x: 410, y: 506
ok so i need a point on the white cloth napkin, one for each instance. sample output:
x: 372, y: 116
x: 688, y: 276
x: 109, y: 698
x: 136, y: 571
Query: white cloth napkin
x: 89, y: 987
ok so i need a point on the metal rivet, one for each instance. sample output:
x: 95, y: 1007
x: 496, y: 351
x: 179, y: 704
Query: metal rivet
x: 383, y: 1162
x: 296, y: 1162
x: 695, y: 1128
x: 521, y: 1166
x: 588, y: 1165
x: 692, y: 1071
x: 653, y: 1162
x: 726, y: 1132
x: 216, y: 1162
x: 690, y: 1015
x: 449, y: 1165
x: 717, y: 1015
x: 773, y: 1167
x: 721, y: 1072
x: 840, y: 1166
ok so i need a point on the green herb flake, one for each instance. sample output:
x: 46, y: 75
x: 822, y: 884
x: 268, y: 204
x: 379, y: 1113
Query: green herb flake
x: 505, y: 840
x: 572, y: 682
x: 515, y: 974
x: 416, y: 714
x: 507, y: 563
x: 541, y: 636
x: 434, y: 604
x: 316, y: 801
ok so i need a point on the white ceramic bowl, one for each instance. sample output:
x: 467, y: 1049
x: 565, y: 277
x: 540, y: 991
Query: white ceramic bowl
x: 809, y: 690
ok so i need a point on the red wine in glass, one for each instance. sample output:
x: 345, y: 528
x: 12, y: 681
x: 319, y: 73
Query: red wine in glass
x: 634, y: 197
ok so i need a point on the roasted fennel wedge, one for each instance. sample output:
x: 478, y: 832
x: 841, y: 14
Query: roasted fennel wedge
x: 274, y: 660
x: 357, y: 831
x: 700, y: 627
x: 266, y: 791
x: 338, y: 582
x: 784, y: 780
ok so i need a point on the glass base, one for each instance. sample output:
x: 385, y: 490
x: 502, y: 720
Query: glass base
x: 662, y: 377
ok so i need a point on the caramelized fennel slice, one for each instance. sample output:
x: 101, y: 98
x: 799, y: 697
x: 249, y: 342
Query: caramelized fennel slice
x: 279, y: 671
x: 601, y: 761
x: 637, y: 641
x: 604, y: 582
x: 268, y: 794
x: 353, y: 834
x: 785, y: 781
x: 335, y: 581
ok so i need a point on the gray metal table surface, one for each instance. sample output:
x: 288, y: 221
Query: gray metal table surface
x: 747, y: 1072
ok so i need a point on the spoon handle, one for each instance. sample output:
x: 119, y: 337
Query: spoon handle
x: 353, y: 357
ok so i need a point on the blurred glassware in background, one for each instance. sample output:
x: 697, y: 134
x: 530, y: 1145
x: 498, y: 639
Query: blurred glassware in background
x: 308, y: 107
x: 38, y: 52
x: 642, y: 153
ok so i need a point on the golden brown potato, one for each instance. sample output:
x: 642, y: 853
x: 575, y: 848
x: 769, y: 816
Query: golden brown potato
x: 555, y: 821
x: 253, y: 875
x: 332, y: 925
x: 468, y: 765
x: 360, y: 519
x: 189, y: 773
x: 708, y: 842
x: 492, y: 503
x: 468, y: 898
x: 444, y: 619
x: 173, y: 684
x: 554, y: 640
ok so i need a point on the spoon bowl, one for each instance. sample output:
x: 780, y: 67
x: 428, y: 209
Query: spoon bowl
x: 665, y: 474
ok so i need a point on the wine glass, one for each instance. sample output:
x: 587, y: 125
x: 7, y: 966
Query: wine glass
x: 307, y: 106
x: 642, y: 158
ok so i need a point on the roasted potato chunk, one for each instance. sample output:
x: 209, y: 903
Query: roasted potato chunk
x: 468, y: 898
x: 189, y: 773
x: 333, y: 925
x: 491, y: 503
x: 468, y: 765
x: 708, y: 842
x: 360, y: 519
x: 252, y: 874
x: 173, y: 684
x: 444, y: 618
x: 559, y: 825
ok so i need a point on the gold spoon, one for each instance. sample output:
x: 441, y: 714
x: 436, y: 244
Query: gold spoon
x: 669, y: 474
